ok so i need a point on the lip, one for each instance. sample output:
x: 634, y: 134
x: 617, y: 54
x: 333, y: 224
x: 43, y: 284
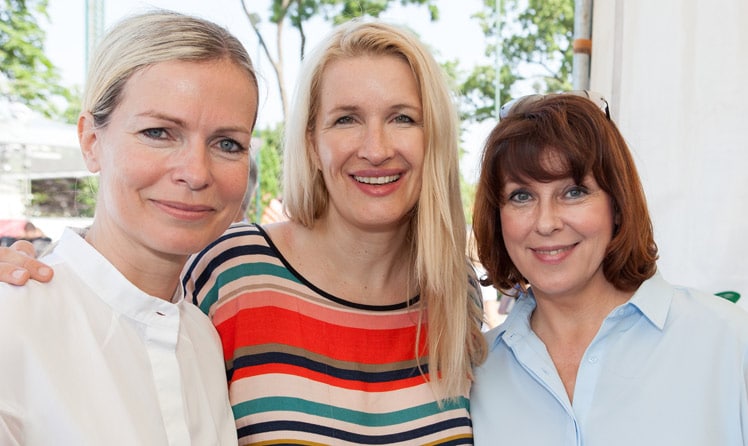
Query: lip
x: 378, y: 182
x: 184, y: 211
x: 553, y: 254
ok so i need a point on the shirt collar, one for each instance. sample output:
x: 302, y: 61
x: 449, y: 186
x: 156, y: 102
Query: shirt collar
x: 110, y: 285
x: 652, y: 300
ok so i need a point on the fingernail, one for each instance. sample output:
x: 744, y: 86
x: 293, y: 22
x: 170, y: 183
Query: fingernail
x: 44, y: 271
x: 18, y: 274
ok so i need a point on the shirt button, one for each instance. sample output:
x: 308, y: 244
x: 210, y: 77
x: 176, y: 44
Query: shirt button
x: 592, y: 360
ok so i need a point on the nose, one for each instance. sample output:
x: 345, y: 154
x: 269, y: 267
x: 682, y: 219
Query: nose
x: 548, y: 217
x: 192, y: 166
x: 376, y: 146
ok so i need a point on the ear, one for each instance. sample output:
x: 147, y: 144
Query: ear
x: 89, y: 141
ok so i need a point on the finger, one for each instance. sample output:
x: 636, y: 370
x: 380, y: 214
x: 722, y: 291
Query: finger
x: 17, y: 266
x: 25, y: 247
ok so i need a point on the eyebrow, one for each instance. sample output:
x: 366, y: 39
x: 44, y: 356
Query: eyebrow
x: 161, y: 116
x: 181, y: 123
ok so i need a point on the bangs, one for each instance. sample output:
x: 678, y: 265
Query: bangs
x: 539, y: 156
x: 522, y: 163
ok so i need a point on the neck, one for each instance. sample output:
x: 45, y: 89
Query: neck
x: 568, y: 324
x: 152, y: 272
x: 578, y: 312
x: 374, y: 268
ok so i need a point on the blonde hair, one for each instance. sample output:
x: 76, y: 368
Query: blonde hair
x: 437, y: 229
x: 146, y: 39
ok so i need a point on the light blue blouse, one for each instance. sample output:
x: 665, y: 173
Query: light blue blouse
x: 669, y: 367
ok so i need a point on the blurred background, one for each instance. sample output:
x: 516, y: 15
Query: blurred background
x: 672, y: 70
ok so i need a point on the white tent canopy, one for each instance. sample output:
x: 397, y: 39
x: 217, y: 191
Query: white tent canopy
x: 33, y: 147
x: 674, y: 73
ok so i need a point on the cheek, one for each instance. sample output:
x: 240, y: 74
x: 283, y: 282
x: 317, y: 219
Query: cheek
x: 513, y: 226
x: 232, y: 183
x: 598, y: 223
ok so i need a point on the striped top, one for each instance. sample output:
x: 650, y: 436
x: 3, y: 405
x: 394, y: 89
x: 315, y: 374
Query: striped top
x: 306, y: 367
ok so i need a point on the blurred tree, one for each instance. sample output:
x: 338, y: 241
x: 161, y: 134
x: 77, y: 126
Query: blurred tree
x: 298, y: 13
x: 64, y: 197
x: 26, y: 73
x: 269, y: 161
x: 535, y: 49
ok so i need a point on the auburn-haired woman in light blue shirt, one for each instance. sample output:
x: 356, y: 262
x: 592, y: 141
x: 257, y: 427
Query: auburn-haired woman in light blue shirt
x: 599, y: 349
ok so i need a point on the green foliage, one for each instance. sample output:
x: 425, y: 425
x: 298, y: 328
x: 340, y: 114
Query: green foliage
x: 467, y: 191
x: 269, y: 162
x: 535, y: 47
x: 338, y: 11
x: 64, y: 197
x: 28, y: 75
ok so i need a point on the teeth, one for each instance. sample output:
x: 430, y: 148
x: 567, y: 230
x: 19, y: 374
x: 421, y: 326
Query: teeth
x: 553, y: 252
x: 377, y: 180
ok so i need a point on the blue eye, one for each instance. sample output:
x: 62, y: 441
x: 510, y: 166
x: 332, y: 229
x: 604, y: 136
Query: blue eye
x: 520, y: 196
x: 344, y: 120
x: 229, y: 145
x: 577, y: 192
x: 154, y: 133
x: 404, y: 119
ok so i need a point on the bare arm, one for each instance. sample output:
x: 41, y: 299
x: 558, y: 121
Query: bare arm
x: 18, y: 265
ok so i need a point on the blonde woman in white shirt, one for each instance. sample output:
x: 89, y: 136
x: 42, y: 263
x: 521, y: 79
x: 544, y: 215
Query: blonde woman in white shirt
x: 110, y: 353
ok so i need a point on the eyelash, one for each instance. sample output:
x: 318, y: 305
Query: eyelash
x: 513, y: 196
x: 408, y: 118
x: 579, y: 191
x: 400, y: 119
x: 163, y: 134
x: 240, y: 148
x: 578, y: 188
x: 148, y: 133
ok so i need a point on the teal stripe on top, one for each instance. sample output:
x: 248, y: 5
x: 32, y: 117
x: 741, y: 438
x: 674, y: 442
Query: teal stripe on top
x: 278, y: 403
x: 243, y: 270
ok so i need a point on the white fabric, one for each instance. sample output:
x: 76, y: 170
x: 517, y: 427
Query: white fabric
x: 89, y: 359
x: 674, y: 72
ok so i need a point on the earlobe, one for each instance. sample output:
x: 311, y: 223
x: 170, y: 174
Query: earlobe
x: 89, y: 141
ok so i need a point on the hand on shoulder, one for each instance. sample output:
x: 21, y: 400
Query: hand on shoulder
x: 18, y: 265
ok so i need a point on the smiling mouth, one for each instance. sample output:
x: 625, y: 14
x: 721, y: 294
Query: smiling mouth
x: 553, y: 252
x: 377, y: 180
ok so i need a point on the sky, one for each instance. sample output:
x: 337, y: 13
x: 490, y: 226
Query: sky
x: 454, y: 36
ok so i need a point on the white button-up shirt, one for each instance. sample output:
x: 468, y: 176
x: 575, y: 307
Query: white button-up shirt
x: 89, y: 359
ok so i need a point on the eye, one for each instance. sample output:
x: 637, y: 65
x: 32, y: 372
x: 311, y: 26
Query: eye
x: 230, y: 145
x: 404, y: 119
x: 520, y: 196
x: 155, y: 133
x: 344, y: 120
x: 576, y: 192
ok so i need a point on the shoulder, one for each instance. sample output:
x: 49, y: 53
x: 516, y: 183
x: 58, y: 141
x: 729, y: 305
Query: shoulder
x: 240, y: 240
x: 36, y: 306
x: 242, y: 251
x: 705, y: 314
x: 703, y: 305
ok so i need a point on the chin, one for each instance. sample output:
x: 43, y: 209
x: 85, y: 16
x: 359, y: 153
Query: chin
x: 182, y: 244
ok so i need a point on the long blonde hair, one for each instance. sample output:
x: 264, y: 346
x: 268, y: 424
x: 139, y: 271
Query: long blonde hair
x: 437, y: 230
